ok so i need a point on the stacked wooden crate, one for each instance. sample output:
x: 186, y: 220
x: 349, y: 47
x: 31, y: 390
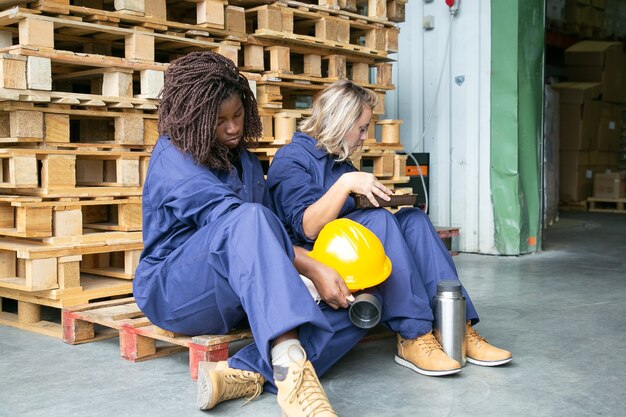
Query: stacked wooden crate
x: 299, y: 48
x: 79, y: 81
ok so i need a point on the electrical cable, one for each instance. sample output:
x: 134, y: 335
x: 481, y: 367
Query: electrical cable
x: 432, y: 108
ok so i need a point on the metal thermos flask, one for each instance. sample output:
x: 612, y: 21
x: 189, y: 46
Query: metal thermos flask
x: 450, y: 319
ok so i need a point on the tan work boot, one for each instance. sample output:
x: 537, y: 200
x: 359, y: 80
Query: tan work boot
x: 425, y: 356
x: 300, y: 393
x: 217, y: 383
x: 479, y: 352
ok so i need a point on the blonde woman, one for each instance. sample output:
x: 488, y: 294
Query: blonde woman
x: 311, y: 180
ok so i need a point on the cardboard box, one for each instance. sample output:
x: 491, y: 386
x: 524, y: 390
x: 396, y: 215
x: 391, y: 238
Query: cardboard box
x: 599, y: 61
x: 609, y: 128
x: 601, y: 161
x: 579, y: 115
x: 599, y: 4
x: 578, y: 92
x: 575, y: 176
x: 597, y: 18
x: 577, y: 14
x: 609, y: 185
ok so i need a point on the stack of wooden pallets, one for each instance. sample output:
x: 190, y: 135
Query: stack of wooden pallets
x: 299, y: 48
x: 79, y: 81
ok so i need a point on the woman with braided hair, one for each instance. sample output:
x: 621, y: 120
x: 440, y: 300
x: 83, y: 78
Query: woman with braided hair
x: 216, y: 254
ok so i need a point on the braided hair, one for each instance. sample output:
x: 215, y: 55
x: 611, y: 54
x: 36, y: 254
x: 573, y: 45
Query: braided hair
x: 195, y: 86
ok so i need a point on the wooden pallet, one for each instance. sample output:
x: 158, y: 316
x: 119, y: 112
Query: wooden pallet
x: 278, y: 90
x: 279, y: 125
x: 35, y: 310
x: 78, y: 79
x: 573, y: 206
x: 607, y: 205
x: 71, y: 172
x: 54, y: 271
x: 137, y: 43
x: 173, y: 16
x: 309, y: 69
x: 322, y: 28
x: 371, y: 11
x: 141, y: 340
x: 70, y: 127
x: 386, y: 165
x: 138, y: 337
x: 69, y: 220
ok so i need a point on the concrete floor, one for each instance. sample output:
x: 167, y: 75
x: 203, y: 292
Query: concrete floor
x: 561, y: 312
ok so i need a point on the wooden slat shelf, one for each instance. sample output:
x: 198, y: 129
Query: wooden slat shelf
x: 54, y: 126
x: 70, y: 220
x: 31, y: 266
x: 54, y: 172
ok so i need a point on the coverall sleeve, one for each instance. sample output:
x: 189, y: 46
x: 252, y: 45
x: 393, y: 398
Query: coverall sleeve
x: 293, y: 188
x: 200, y: 200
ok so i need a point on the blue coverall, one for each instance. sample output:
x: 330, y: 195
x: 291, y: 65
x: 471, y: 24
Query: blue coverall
x: 214, y: 254
x: 301, y: 174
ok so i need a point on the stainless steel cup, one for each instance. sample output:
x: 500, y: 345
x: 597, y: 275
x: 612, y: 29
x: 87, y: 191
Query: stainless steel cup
x: 365, y: 311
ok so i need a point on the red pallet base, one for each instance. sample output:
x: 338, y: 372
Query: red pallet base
x: 138, y: 337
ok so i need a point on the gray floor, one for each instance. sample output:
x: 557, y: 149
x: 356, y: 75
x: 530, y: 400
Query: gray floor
x: 562, y: 312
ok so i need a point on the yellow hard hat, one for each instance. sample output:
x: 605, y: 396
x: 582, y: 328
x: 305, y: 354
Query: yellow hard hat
x: 354, y: 252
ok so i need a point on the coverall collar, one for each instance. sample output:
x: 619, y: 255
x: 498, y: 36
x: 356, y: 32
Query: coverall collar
x: 309, y: 144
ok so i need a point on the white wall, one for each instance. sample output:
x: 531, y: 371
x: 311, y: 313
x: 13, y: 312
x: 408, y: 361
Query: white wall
x: 459, y: 133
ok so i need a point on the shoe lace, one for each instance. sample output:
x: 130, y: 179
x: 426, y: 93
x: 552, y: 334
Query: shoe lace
x: 240, y: 384
x: 473, y: 336
x: 309, y: 392
x: 428, y: 343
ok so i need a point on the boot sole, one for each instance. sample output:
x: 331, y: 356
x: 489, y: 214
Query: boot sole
x: 489, y: 363
x: 204, y: 397
x: 426, y: 372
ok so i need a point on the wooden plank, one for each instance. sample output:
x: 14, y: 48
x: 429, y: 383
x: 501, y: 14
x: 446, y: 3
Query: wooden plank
x: 35, y: 250
x: 28, y: 272
x: 43, y: 327
x: 311, y: 42
x: 69, y: 169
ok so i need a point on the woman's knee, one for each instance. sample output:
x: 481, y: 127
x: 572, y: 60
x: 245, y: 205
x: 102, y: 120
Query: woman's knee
x: 253, y: 211
x: 254, y: 214
x: 412, y: 217
x: 253, y: 218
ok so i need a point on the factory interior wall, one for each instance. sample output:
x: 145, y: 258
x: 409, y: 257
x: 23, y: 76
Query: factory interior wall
x: 475, y: 106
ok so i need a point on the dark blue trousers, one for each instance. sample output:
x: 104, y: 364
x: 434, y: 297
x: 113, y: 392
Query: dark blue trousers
x: 242, y: 267
x: 419, y: 261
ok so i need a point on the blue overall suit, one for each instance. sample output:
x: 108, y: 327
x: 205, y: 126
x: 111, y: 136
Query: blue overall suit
x: 301, y: 174
x: 214, y: 254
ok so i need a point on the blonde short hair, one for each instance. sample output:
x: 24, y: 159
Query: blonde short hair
x: 335, y: 111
